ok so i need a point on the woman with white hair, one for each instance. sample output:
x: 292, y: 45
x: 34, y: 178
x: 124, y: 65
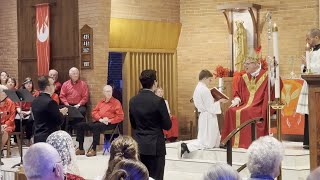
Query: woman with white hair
x: 264, y: 157
x: 63, y: 143
x: 221, y: 171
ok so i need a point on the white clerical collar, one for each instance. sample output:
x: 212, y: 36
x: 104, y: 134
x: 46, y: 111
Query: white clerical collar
x: 256, y: 73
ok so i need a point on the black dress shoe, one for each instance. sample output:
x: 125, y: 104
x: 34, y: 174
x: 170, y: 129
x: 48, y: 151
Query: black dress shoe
x: 184, y: 148
x: 305, y: 146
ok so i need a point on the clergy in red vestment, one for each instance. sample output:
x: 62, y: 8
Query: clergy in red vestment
x: 7, y: 114
x: 250, y: 101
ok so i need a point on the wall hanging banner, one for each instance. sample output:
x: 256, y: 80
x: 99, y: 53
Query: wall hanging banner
x: 43, y: 38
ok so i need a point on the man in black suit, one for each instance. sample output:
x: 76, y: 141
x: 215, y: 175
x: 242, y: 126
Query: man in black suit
x: 47, y: 115
x: 149, y: 116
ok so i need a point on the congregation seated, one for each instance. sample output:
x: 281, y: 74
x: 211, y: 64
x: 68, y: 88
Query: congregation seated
x: 42, y: 161
x: 105, y: 116
x: 123, y: 147
x: 7, y: 114
x: 171, y: 134
x: 63, y: 143
x: 264, y: 158
x: 314, y: 175
x: 129, y: 170
x: 24, y: 111
x: 11, y: 83
x: 55, y: 75
x: 220, y: 171
x: 74, y: 92
x: 3, y: 77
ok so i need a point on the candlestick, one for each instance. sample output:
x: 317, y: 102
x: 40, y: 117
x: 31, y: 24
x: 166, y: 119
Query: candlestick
x: 276, y: 58
x: 308, y: 56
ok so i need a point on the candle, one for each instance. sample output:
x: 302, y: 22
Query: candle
x: 220, y: 84
x: 276, y: 57
x: 308, y: 56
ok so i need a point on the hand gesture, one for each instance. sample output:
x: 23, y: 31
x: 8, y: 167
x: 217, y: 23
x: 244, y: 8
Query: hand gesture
x: 223, y: 100
x: 64, y: 111
x: 77, y: 106
x: 235, y: 103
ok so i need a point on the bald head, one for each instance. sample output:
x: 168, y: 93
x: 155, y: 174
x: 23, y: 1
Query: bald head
x: 107, y: 92
x: 54, y: 74
x: 313, y: 37
x: 74, y: 74
x: 42, y: 161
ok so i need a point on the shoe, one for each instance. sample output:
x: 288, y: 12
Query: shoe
x: 182, y: 148
x: 91, y: 153
x: 80, y: 152
x: 305, y: 146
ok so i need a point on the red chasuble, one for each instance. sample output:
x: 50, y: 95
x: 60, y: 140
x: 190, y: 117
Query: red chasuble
x: 253, y: 93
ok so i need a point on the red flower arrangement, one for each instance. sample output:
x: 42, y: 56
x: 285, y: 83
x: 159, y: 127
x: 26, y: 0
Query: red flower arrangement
x: 221, y: 72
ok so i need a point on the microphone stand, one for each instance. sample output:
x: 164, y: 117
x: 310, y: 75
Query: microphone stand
x: 21, y: 136
x: 1, y: 163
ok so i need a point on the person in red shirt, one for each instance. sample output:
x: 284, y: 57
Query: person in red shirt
x: 106, y: 115
x: 25, y: 110
x: 74, y: 92
x: 7, y: 114
x: 3, y: 77
x: 54, y: 75
x: 11, y: 83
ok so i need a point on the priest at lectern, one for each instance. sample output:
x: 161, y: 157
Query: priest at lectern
x: 250, y: 101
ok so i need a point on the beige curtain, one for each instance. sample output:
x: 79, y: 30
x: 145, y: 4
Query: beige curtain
x: 165, y: 65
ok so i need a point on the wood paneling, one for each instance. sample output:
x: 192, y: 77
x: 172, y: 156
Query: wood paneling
x: 64, y: 37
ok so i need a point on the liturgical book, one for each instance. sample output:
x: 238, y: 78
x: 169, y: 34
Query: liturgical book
x: 217, y: 95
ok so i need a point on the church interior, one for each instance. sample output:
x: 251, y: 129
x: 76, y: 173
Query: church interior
x: 113, y: 41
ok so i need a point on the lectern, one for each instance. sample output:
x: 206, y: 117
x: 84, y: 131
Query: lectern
x: 313, y: 81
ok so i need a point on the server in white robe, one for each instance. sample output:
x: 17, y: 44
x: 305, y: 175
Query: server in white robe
x: 208, y: 128
x: 313, y: 39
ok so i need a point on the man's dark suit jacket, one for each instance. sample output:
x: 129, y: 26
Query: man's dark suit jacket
x: 47, y: 117
x: 149, y: 116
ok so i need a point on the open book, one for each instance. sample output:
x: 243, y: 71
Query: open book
x: 217, y: 95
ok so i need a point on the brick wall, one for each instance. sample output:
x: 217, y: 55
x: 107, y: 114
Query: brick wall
x: 203, y: 41
x: 9, y: 38
x: 156, y: 10
x: 97, y: 15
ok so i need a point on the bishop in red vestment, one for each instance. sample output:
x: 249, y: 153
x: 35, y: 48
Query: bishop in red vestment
x: 250, y: 101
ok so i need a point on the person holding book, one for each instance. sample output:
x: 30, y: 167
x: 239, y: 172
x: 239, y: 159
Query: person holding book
x: 250, y: 100
x: 208, y: 134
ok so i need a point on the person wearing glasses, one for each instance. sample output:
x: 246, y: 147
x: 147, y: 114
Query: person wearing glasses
x: 313, y: 39
x: 42, y: 161
x: 47, y: 116
x: 250, y: 100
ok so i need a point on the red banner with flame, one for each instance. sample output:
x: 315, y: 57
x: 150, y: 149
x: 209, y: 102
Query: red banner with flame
x: 43, y: 38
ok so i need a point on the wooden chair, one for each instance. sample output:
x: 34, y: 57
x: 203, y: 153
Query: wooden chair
x: 17, y: 134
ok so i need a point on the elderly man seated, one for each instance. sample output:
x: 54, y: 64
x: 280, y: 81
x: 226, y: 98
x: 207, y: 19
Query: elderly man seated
x: 54, y: 75
x: 7, y: 114
x: 106, y: 115
x: 42, y: 161
x: 264, y: 158
x: 74, y: 92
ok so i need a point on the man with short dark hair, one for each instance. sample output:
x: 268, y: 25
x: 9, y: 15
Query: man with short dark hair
x: 149, y: 116
x: 47, y: 115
